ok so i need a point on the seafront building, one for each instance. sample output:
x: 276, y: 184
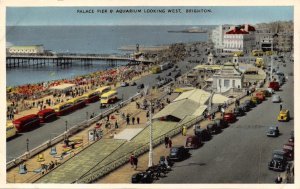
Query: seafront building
x: 240, y: 38
x: 217, y: 37
x: 227, y: 78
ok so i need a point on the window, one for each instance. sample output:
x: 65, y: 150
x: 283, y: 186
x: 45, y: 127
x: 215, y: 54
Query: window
x: 226, y: 83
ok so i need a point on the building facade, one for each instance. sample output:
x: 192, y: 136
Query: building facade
x: 33, y: 49
x: 240, y: 38
x: 217, y: 36
x: 229, y: 77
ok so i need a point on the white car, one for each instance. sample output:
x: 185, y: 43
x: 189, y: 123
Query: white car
x: 270, y: 90
x: 276, y: 99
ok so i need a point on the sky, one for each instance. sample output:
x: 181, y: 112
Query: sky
x: 216, y: 15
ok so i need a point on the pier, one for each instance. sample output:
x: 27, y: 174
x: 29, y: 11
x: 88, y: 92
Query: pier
x: 67, y: 59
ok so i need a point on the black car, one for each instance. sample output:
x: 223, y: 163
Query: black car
x: 169, y: 74
x: 178, y: 153
x: 142, y: 177
x: 278, y: 162
x: 213, y: 128
x: 238, y: 111
x: 204, y: 134
x: 273, y: 132
x: 221, y: 123
x: 245, y: 107
x: 140, y: 86
x: 249, y: 103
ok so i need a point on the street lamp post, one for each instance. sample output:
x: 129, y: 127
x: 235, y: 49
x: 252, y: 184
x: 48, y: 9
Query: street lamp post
x: 27, y: 144
x: 150, y: 163
x: 66, y: 125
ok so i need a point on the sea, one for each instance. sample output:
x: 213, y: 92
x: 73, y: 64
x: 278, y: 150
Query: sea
x: 90, y: 40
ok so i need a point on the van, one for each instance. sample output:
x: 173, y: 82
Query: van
x: 27, y: 123
x: 46, y: 115
x: 109, y: 97
x: 193, y: 142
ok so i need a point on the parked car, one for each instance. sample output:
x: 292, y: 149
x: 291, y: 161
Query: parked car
x: 140, y: 86
x: 229, y: 117
x: 284, y: 115
x: 124, y: 84
x: 212, y: 128
x: 221, y: 123
x: 169, y: 74
x: 270, y: 90
x: 142, y: 177
x: 238, y: 111
x: 249, y: 103
x: 204, y: 134
x: 133, y: 84
x: 255, y: 100
x: 245, y: 107
x: 193, y: 142
x: 289, y: 151
x: 274, y: 85
x: 276, y: 99
x: 178, y: 153
x: 278, y: 162
x: 273, y: 132
x: 260, y: 95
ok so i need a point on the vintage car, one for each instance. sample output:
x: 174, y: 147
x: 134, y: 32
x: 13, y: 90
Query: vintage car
x: 283, y: 115
x: 238, y: 111
x: 178, y: 153
x: 273, y: 132
x: 249, y: 103
x: 193, y: 142
x: 255, y: 100
x: 245, y: 107
x: 260, y: 95
x: 221, y: 123
x: 289, y: 151
x: 229, y: 117
x: 276, y: 99
x: 124, y: 84
x: 212, y: 128
x: 278, y: 162
x: 204, y: 134
x: 274, y: 85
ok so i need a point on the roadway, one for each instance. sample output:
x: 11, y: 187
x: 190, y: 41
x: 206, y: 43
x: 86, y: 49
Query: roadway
x: 17, y: 146
x: 240, y: 154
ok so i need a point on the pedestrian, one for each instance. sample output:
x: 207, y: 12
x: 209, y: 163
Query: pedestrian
x: 184, y: 130
x: 138, y: 120
x: 166, y: 141
x: 135, y: 162
x: 128, y: 120
x: 170, y: 143
x: 116, y: 125
x: 132, y: 119
x: 278, y: 180
x: 131, y: 160
x: 280, y: 106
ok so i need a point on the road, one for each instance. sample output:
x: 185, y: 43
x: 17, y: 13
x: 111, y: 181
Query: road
x: 17, y: 146
x: 240, y: 154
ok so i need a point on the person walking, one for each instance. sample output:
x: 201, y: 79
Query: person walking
x: 138, y: 120
x: 170, y: 143
x: 131, y: 160
x: 135, y: 162
x: 116, y: 125
x: 184, y: 130
x: 280, y: 106
x: 128, y: 120
x: 166, y: 141
x: 132, y: 119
